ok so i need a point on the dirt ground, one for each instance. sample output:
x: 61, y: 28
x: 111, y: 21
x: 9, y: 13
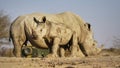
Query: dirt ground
x: 104, y: 60
x: 89, y: 62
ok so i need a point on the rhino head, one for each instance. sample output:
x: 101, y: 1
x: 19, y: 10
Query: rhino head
x: 40, y: 30
x: 43, y: 28
x: 90, y: 44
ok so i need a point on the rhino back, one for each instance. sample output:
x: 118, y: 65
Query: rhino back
x: 17, y: 28
x: 73, y: 21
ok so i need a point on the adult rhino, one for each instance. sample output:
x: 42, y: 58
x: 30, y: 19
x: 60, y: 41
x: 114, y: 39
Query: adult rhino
x: 56, y: 35
x: 18, y: 36
x: 17, y: 30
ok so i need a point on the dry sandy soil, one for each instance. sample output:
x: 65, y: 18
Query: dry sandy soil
x: 105, y: 60
x: 89, y: 62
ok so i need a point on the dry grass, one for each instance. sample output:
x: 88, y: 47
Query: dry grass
x: 68, y: 62
x: 6, y: 52
x: 110, y: 52
x: 109, y: 58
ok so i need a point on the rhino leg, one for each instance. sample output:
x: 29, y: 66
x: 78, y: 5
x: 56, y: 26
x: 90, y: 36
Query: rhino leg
x: 62, y: 52
x: 17, y: 51
x: 75, y: 51
x: 17, y: 48
x: 55, y: 47
x: 79, y: 52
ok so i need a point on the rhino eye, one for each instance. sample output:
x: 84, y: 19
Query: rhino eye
x: 41, y: 30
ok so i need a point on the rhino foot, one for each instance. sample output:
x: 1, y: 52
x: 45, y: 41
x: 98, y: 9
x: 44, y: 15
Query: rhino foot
x: 78, y: 54
x: 51, y: 56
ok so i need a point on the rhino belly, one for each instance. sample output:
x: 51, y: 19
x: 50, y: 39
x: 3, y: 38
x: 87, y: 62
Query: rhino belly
x: 65, y: 40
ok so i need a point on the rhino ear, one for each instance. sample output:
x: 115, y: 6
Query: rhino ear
x: 36, y: 21
x: 44, y: 19
x: 89, y: 26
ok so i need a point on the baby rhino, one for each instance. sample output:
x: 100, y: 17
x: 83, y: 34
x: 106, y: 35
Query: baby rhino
x: 56, y: 35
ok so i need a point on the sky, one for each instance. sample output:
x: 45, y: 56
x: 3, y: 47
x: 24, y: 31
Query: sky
x: 103, y: 15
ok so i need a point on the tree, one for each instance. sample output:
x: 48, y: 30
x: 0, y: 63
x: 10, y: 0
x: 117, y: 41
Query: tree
x: 116, y: 42
x: 4, y: 25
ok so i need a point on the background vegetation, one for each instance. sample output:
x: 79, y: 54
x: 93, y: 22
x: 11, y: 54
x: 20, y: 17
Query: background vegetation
x: 4, y: 25
x: 5, y: 48
x: 116, y: 42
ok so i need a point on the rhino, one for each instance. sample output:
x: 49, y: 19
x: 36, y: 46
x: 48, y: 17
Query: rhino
x: 73, y: 21
x: 58, y: 34
x: 18, y: 36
